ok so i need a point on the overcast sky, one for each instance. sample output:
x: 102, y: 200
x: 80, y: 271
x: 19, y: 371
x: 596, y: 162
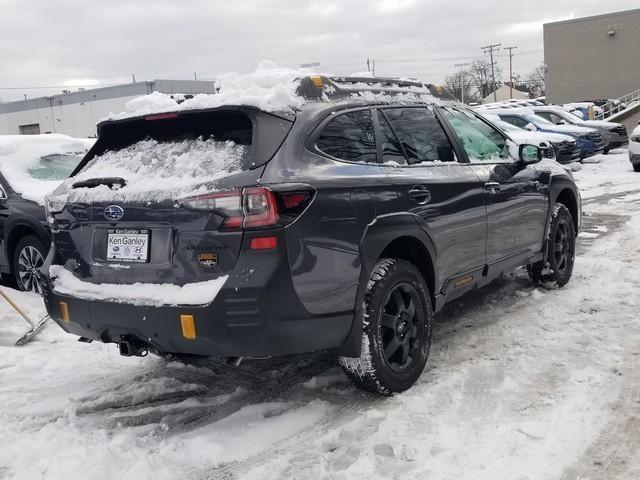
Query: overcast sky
x: 58, y: 43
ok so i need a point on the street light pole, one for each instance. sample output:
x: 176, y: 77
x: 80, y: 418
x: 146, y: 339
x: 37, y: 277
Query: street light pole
x: 461, y: 65
x: 510, y: 69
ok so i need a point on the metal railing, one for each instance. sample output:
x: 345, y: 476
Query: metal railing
x: 618, y: 105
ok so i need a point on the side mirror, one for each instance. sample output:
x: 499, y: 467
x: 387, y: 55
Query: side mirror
x: 562, y: 122
x: 531, y: 127
x: 530, y: 154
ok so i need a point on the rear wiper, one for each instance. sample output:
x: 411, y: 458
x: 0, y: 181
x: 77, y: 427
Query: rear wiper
x: 94, y: 182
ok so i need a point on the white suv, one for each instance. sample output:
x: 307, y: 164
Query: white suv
x: 634, y: 149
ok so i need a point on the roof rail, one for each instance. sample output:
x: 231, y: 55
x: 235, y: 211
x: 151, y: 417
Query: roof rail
x: 317, y: 87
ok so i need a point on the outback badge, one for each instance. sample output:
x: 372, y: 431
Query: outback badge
x: 208, y: 259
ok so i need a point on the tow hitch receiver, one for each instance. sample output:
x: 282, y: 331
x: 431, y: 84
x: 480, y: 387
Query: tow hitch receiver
x: 130, y: 347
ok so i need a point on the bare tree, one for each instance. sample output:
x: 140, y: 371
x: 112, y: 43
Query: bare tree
x: 480, y: 73
x: 535, y: 81
x: 454, y: 84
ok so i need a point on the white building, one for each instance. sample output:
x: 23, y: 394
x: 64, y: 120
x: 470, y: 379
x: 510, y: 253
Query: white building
x: 76, y: 113
x: 502, y: 94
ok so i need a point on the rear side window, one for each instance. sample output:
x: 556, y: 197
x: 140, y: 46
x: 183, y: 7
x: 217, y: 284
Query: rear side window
x: 350, y: 137
x: 420, y: 134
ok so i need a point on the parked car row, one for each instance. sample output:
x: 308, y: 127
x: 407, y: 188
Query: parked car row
x: 591, y: 137
x: 634, y: 149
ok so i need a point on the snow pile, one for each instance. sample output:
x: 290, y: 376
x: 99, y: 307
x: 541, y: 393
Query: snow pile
x: 269, y: 88
x: 20, y: 153
x: 149, y: 294
x: 155, y: 171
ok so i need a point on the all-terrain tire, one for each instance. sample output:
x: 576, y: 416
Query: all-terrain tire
x: 556, y: 271
x: 397, y: 317
x: 28, y: 257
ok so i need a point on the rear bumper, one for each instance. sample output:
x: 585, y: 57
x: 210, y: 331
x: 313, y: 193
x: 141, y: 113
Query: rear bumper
x: 256, y: 313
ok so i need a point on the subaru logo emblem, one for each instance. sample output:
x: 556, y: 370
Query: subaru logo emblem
x: 113, y: 212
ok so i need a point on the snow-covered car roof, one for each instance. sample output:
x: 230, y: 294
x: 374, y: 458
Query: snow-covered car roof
x: 282, y: 90
x: 27, y: 162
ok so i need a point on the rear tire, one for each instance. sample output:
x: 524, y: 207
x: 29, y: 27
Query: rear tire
x: 556, y: 271
x: 397, y: 320
x: 28, y: 257
x: 636, y: 167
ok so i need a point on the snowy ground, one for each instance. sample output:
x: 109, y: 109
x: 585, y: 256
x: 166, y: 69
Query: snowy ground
x: 522, y: 383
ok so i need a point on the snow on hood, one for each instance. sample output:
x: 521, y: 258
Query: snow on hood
x: 600, y: 123
x: 20, y: 153
x: 536, y: 137
x: 155, y: 171
x: 569, y: 129
x: 269, y: 88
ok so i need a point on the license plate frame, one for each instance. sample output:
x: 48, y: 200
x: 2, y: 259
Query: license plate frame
x: 128, y: 245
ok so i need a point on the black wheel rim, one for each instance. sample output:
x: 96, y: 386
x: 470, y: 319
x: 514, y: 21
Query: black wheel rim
x: 562, y: 247
x: 402, y: 327
x: 29, y: 262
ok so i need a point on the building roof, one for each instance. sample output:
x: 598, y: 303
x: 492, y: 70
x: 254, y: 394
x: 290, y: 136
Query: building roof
x: 105, y: 93
x: 594, y: 17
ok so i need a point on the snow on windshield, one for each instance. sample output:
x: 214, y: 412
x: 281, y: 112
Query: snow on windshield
x: 20, y: 155
x: 155, y: 171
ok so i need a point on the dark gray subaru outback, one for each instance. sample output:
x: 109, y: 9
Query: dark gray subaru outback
x: 342, y: 224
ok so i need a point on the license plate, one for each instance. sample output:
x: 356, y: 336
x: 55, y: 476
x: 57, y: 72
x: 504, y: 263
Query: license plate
x: 124, y: 245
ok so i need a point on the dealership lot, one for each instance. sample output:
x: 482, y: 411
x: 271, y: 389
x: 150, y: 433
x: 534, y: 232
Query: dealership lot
x: 522, y: 383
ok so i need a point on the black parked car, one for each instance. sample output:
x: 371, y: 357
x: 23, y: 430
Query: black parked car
x: 345, y: 225
x: 28, y: 165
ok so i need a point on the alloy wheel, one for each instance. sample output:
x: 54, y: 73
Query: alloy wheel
x: 401, y: 327
x: 562, y: 247
x: 29, y: 262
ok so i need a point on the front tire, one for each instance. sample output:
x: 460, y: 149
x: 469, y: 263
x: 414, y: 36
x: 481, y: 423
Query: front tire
x: 28, y: 257
x: 561, y: 251
x: 397, y: 320
x: 636, y: 167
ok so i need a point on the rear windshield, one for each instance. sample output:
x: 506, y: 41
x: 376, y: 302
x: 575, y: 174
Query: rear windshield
x: 164, y: 156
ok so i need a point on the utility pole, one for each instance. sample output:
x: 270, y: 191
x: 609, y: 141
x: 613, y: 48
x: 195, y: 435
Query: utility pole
x: 490, y: 49
x: 461, y: 66
x: 195, y: 76
x: 510, y: 69
x: 371, y: 66
x: 133, y: 75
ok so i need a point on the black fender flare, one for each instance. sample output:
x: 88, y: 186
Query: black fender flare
x: 377, y: 236
x: 558, y: 186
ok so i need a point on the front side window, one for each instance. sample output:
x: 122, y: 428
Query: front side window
x: 420, y: 134
x: 350, y: 137
x: 481, y: 141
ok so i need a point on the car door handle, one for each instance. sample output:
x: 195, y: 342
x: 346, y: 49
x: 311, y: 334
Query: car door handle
x: 420, y: 194
x: 492, y: 187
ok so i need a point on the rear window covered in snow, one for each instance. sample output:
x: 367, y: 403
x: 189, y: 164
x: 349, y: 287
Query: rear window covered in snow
x: 169, y: 155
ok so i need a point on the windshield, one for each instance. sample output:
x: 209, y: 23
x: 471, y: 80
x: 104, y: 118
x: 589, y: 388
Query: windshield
x: 537, y: 120
x: 507, y: 126
x: 55, y: 167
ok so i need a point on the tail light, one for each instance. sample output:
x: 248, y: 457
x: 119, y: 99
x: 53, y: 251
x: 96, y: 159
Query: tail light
x: 255, y: 207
